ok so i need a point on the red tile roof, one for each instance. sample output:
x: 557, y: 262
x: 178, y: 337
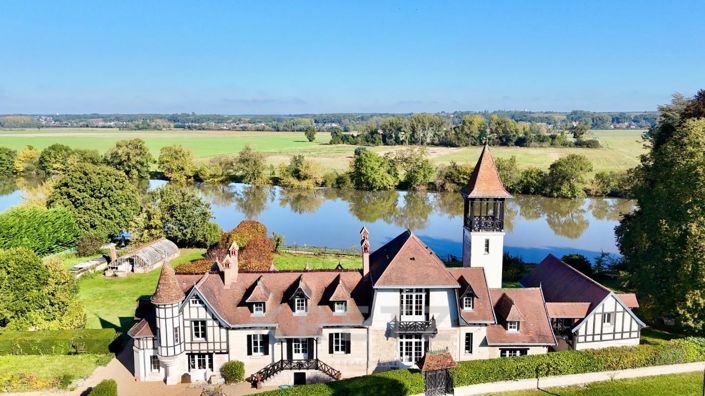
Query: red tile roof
x: 405, y: 261
x: 485, y: 181
x: 474, y: 278
x: 340, y: 293
x: 168, y: 289
x: 436, y: 361
x: 260, y: 292
x: 508, y: 310
x: 566, y: 310
x: 629, y: 299
x: 534, y: 329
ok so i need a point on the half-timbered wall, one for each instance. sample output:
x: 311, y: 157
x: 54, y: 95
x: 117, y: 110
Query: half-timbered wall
x: 170, y: 334
x: 216, y: 340
x: 597, y: 332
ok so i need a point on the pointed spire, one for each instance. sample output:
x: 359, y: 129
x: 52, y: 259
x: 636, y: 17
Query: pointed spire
x: 485, y: 181
x: 168, y: 290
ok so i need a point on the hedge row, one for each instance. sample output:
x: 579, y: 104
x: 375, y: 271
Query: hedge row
x: 406, y: 382
x: 57, y: 342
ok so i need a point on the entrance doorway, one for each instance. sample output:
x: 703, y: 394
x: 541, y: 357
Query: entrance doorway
x: 300, y: 349
x: 299, y: 378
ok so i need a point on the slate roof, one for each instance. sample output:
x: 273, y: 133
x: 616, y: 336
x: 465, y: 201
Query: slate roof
x: 534, y: 328
x: 405, y: 261
x: 485, y: 181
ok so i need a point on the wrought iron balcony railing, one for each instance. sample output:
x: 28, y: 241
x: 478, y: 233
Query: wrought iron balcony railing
x: 484, y: 223
x: 285, y: 364
x: 415, y: 327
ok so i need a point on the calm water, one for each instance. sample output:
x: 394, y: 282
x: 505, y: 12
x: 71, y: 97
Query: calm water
x: 535, y: 226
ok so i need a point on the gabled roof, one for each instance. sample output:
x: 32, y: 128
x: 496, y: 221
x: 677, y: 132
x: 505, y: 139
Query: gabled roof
x: 436, y: 361
x: 168, y: 289
x: 405, y: 261
x: 260, y: 292
x: 628, y: 299
x: 482, y: 311
x: 465, y: 288
x: 298, y: 286
x: 567, y: 310
x: 535, y: 328
x: 485, y: 181
x: 340, y: 291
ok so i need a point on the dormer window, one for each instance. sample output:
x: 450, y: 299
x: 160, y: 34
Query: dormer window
x: 299, y: 305
x: 196, y: 302
x: 468, y: 303
x: 513, y: 326
x: 258, y: 308
x: 340, y: 307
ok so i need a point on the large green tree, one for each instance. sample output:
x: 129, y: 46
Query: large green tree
x: 7, y: 161
x: 414, y: 167
x: 45, y: 231
x: 177, y: 163
x: 186, y: 218
x: 57, y: 159
x: 250, y: 167
x: 131, y: 157
x: 370, y: 171
x: 101, y: 198
x: 567, y: 176
x: 663, y: 240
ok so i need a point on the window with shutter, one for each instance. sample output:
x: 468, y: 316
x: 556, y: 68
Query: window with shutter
x: 468, y: 342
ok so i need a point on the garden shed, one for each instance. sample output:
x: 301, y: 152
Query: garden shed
x: 145, y: 258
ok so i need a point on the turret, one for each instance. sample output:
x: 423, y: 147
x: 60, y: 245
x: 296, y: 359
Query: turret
x: 170, y: 332
x: 483, y: 220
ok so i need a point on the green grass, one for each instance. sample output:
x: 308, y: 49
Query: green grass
x: 655, y: 336
x: 44, y: 371
x: 662, y: 385
x: 111, y: 302
x: 289, y: 261
x: 620, y: 151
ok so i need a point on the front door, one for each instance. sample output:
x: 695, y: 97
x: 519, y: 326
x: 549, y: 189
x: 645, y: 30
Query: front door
x: 300, y: 349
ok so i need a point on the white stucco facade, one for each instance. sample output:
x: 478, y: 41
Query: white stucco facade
x: 484, y: 249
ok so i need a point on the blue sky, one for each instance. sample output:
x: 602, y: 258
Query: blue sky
x: 347, y: 56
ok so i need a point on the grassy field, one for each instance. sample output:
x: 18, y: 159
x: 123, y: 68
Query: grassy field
x: 288, y: 261
x: 620, y: 151
x: 662, y: 385
x: 45, y: 371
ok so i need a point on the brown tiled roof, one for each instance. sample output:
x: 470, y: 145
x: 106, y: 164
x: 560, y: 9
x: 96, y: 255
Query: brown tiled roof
x: 260, y: 292
x: 475, y: 278
x: 575, y: 310
x: 436, y: 361
x: 508, y: 310
x: 406, y: 261
x: 629, y: 299
x: 535, y: 329
x: 168, y: 288
x: 562, y: 283
x: 485, y: 181
x: 340, y: 291
x: 231, y: 306
x: 145, y: 325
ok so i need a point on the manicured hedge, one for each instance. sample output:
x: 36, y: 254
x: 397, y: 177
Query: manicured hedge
x: 107, y: 387
x: 41, y: 230
x: 56, y: 342
x: 406, y: 382
x: 233, y: 371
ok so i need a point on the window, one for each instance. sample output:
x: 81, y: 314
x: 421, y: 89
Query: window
x: 200, y: 361
x: 512, y: 352
x: 258, y: 308
x: 258, y: 345
x: 177, y: 335
x: 411, y: 348
x: 468, y: 342
x: 468, y: 303
x: 300, y: 305
x: 607, y: 318
x: 513, y: 325
x: 196, y: 302
x: 487, y: 246
x: 340, y: 306
x: 413, y: 302
x: 155, y: 362
x: 338, y: 343
x: 199, y: 329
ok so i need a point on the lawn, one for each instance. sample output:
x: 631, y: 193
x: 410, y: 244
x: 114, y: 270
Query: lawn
x: 620, y: 150
x: 289, y: 261
x: 31, y: 372
x: 662, y: 385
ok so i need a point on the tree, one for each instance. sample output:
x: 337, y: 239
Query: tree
x: 176, y: 162
x: 531, y: 181
x: 509, y: 173
x: 37, y: 295
x: 310, y: 133
x: 26, y: 161
x: 663, y: 240
x: 300, y: 173
x: 131, y: 157
x: 56, y: 159
x: 425, y: 128
x: 7, y: 161
x: 503, y: 130
x: 370, y: 171
x: 567, y: 176
x: 579, y: 262
x: 415, y: 167
x: 453, y: 177
x: 44, y: 231
x: 579, y: 130
x: 250, y: 167
x: 186, y: 217
x: 100, y: 197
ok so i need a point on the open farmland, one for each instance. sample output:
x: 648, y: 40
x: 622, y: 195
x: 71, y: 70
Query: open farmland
x: 621, y: 148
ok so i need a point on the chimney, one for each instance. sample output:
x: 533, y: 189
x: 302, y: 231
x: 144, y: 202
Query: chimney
x: 365, y: 247
x: 229, y: 266
x: 112, y: 251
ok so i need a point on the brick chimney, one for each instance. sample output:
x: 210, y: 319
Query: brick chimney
x: 229, y: 266
x: 112, y: 251
x: 365, y: 247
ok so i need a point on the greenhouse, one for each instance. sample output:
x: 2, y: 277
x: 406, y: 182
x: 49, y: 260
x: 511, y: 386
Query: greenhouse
x: 144, y: 259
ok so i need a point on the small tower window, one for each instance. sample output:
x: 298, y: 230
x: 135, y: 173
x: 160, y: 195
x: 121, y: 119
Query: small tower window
x: 487, y: 246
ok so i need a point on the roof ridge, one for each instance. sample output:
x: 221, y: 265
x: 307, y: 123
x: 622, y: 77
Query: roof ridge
x: 580, y: 273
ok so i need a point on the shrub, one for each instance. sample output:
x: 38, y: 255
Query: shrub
x: 453, y: 177
x: 531, y: 181
x: 233, y: 371
x: 106, y: 387
x: 7, y: 161
x: 579, y: 262
x: 195, y: 267
x: 45, y: 231
x: 257, y: 255
x: 89, y: 243
x: 56, y: 342
x: 245, y: 232
x: 513, y: 268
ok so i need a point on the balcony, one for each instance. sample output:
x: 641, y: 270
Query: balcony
x: 484, y: 223
x: 427, y: 327
x: 271, y: 370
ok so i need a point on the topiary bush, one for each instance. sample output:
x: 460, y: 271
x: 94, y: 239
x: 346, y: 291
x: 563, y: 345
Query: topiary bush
x: 106, y: 387
x: 233, y: 371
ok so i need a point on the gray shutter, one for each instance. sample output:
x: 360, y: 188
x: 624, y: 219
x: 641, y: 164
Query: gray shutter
x: 289, y: 350
x: 265, y: 344
x: 346, y: 340
x: 330, y: 343
x: 311, y: 349
x: 249, y: 345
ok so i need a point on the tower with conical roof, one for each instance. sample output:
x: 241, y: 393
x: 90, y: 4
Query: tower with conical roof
x: 483, y: 219
x: 170, y: 341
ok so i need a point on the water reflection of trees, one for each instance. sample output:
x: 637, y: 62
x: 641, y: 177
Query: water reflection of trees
x: 7, y: 185
x: 252, y: 200
x: 370, y: 206
x: 301, y: 200
x: 413, y: 215
x: 610, y: 209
